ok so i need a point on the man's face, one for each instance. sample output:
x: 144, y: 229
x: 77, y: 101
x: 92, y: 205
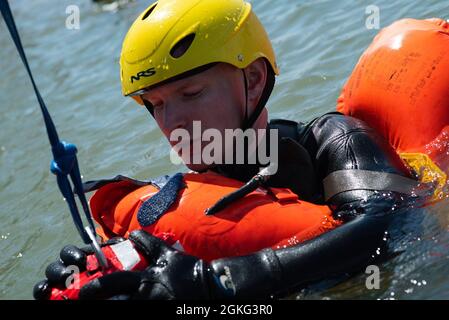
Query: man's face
x: 214, y: 97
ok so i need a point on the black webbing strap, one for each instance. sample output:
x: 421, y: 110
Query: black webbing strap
x: 348, y: 180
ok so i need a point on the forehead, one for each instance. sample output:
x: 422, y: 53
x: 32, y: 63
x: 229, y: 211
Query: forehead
x: 218, y: 71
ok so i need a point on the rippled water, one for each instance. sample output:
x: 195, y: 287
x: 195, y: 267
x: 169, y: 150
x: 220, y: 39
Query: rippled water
x: 317, y: 44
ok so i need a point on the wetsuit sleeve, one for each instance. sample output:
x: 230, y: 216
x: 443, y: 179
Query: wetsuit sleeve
x: 347, y: 249
x: 342, y: 144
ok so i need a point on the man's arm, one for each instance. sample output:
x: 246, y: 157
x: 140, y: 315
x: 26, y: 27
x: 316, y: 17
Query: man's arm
x: 352, y: 160
x: 262, y: 275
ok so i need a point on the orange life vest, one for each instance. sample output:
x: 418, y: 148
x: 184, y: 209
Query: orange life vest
x: 258, y: 220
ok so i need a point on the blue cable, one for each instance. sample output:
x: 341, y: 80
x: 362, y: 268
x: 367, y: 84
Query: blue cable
x: 64, y: 161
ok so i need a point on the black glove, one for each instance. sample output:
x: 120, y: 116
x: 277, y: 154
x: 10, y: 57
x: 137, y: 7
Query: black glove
x: 171, y: 274
x: 57, y: 272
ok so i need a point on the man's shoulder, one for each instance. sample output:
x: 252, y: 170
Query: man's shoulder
x: 281, y: 123
x: 296, y: 129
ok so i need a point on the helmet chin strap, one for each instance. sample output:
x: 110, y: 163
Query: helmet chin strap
x: 245, y: 124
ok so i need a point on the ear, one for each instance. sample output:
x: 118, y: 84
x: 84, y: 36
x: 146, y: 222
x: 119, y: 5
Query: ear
x: 256, y: 74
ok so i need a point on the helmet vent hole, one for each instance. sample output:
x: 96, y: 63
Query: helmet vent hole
x: 180, y: 48
x: 149, y: 12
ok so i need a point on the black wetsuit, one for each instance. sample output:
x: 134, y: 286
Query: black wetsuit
x: 308, y: 154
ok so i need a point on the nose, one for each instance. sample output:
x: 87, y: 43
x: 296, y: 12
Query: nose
x: 173, y: 118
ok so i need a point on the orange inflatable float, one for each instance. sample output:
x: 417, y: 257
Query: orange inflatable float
x: 400, y: 87
x: 264, y: 218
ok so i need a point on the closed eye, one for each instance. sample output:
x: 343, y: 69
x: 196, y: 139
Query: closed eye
x: 192, y: 94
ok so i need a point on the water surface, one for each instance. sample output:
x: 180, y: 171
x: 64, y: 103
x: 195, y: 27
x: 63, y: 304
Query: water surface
x: 317, y: 45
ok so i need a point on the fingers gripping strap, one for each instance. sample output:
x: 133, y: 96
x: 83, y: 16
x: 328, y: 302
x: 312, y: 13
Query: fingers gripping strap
x: 348, y: 180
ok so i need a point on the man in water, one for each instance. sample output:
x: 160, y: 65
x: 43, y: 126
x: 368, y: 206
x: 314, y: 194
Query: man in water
x: 211, y: 62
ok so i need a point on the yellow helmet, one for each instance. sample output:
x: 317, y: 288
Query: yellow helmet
x: 172, y: 37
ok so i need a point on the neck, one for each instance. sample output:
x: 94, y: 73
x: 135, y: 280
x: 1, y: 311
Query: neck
x: 244, y: 172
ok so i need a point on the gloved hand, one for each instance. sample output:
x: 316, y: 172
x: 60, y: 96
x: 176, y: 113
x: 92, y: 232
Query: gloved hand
x: 171, y: 275
x: 58, y: 272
